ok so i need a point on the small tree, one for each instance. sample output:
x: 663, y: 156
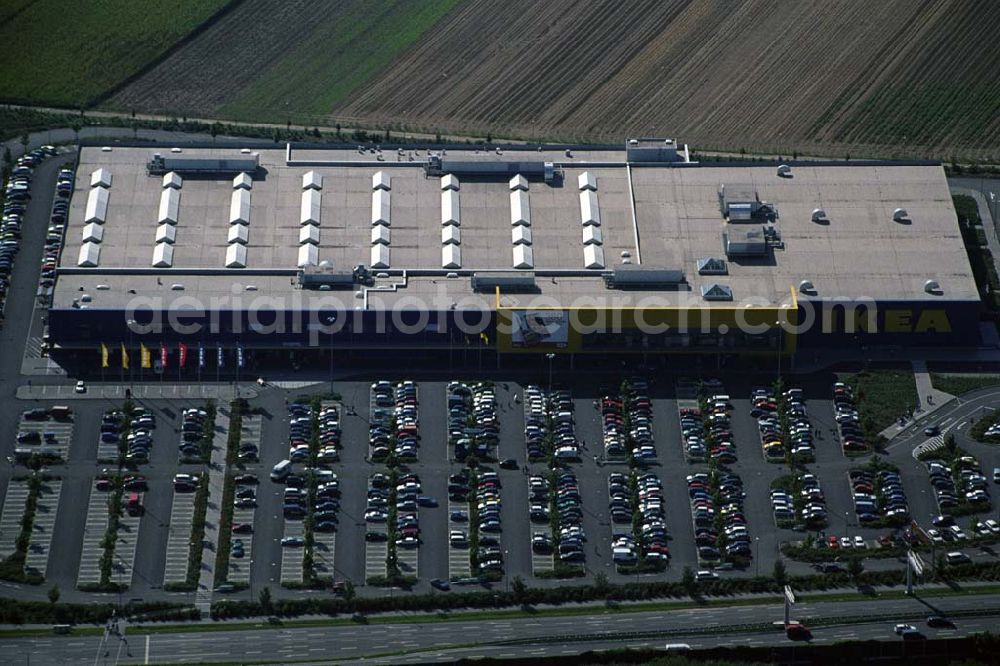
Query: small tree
x: 53, y: 594
x: 265, y: 599
x: 25, y: 139
x: 518, y: 589
x: 688, y: 581
x: 349, y: 591
x: 780, y: 574
x: 854, y: 568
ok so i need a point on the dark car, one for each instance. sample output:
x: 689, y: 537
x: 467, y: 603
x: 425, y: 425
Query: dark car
x: 440, y: 584
x: 509, y: 463
x: 938, y: 622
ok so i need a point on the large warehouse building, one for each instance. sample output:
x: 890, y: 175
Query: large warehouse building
x: 637, y: 249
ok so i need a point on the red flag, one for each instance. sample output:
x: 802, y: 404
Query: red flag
x: 163, y: 355
x: 182, y: 353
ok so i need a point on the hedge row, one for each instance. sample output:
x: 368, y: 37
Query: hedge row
x: 228, y: 492
x: 19, y: 611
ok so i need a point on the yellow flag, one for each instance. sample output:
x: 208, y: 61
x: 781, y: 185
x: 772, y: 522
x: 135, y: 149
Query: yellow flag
x: 145, y: 358
x: 124, y: 357
x: 485, y: 338
x: 104, y: 355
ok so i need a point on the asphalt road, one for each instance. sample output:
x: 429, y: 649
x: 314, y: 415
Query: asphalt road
x: 544, y: 635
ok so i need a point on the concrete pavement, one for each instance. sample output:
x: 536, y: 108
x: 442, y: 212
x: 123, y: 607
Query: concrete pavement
x: 930, y: 400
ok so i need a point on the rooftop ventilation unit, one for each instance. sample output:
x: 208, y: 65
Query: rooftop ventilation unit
x: 784, y: 171
x: 744, y: 242
x: 380, y: 256
x: 239, y: 207
x: 523, y: 257
x: 590, y: 209
x: 712, y: 266
x: 593, y: 255
x: 312, y: 204
x: 520, y: 235
x: 900, y: 215
x: 520, y: 208
x: 818, y: 215
x: 316, y: 278
x: 381, y: 207
x: 309, y: 234
x: 312, y: 180
x: 717, y: 292
x: 449, y: 182
x: 170, y: 203
x: 451, y: 212
x: 807, y: 287
x: 93, y: 233
x: 166, y: 233
x: 238, y: 233
x: 508, y: 283
x: 518, y: 182
x: 236, y: 256
x: 451, y: 235
x: 592, y: 235
x: 173, y: 180
x: 933, y: 287
x: 380, y: 234
x: 587, y: 181
x: 97, y: 205
x: 451, y: 256
x: 643, y: 277
x: 242, y: 181
x: 381, y: 181
x: 494, y: 170
x: 100, y: 178
x: 308, y: 254
x: 90, y: 255
x: 163, y: 255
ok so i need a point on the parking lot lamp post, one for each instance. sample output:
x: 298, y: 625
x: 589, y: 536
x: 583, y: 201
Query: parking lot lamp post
x: 756, y: 556
x: 550, y: 356
x: 780, y: 340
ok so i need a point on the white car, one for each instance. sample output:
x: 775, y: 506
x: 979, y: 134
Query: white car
x: 80, y: 387
x: 845, y: 542
x: 899, y: 629
x: 859, y: 542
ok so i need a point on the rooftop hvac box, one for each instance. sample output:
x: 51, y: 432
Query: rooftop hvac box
x: 520, y: 208
x: 163, y: 255
x: 90, y: 255
x: 593, y: 256
x: 309, y: 234
x: 308, y: 255
x: 166, y: 233
x: 520, y: 235
x: 744, y: 242
x: 173, y: 179
x: 381, y: 181
x: 652, y: 150
x: 451, y: 235
x: 451, y: 256
x: 242, y: 181
x: 449, y: 181
x: 592, y: 235
x: 93, y: 233
x: 506, y: 282
x: 380, y: 256
x: 239, y: 207
x: 97, y: 205
x: 450, y: 208
x: 380, y: 234
x: 312, y: 202
x: 380, y: 207
x: 236, y: 256
x: 238, y: 233
x: 312, y: 181
x: 590, y: 209
x: 100, y: 178
x: 170, y: 203
x: 523, y: 256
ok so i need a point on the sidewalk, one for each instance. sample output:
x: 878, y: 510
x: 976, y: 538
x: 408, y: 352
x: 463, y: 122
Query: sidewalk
x: 216, y: 482
x: 930, y: 400
x: 151, y: 391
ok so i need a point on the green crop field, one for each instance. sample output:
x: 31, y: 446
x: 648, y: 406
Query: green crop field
x: 68, y: 53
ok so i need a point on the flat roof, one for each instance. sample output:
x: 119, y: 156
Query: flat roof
x: 859, y: 251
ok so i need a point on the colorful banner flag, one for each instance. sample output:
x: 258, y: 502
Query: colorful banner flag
x: 182, y: 354
x: 221, y: 358
x: 145, y: 357
x: 104, y: 355
x: 239, y: 356
x: 124, y: 357
x: 201, y: 355
x: 163, y: 355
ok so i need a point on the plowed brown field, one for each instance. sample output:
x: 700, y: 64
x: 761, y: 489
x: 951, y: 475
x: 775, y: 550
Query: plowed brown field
x: 914, y: 77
